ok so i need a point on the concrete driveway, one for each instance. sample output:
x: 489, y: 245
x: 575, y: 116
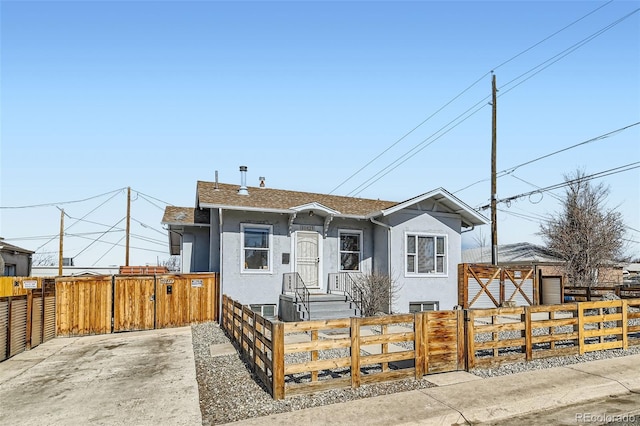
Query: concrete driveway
x: 138, y: 378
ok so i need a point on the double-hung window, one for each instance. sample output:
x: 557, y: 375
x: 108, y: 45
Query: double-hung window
x: 350, y: 250
x: 426, y: 254
x: 257, y: 243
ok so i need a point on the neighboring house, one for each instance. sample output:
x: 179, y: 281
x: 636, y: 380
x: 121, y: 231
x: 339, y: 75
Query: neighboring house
x: 14, y: 261
x: 254, y: 236
x: 631, y: 273
x: 74, y: 271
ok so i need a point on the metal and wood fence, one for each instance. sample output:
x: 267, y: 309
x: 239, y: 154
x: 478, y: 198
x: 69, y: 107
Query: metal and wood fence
x: 27, y: 314
x: 111, y: 304
x: 300, y: 357
x: 502, y: 335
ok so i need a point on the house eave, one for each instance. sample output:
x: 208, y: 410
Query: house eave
x: 296, y: 209
x: 469, y: 216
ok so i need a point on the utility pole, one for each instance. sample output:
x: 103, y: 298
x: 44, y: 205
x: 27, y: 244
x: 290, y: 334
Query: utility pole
x: 126, y: 260
x: 494, y: 214
x: 60, y: 258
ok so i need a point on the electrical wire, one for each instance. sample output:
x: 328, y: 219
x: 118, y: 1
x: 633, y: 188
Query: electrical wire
x: 60, y: 203
x: 526, y: 163
x: 616, y: 170
x: 146, y: 196
x: 463, y: 92
x: 103, y: 234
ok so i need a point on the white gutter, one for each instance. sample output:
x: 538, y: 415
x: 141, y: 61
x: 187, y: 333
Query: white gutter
x: 384, y: 225
x: 220, y: 234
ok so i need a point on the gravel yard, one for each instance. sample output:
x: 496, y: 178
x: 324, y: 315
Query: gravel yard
x: 229, y: 392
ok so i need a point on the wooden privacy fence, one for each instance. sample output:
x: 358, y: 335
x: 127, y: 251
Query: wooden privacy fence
x: 501, y: 335
x: 301, y: 357
x: 486, y: 286
x: 110, y: 304
x: 27, y: 316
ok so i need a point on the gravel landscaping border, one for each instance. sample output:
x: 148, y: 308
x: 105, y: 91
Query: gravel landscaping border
x: 229, y: 391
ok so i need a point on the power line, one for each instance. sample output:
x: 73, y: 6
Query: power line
x: 565, y: 53
x: 60, y: 203
x: 103, y: 234
x: 133, y: 247
x: 461, y: 93
x: 146, y: 198
x: 526, y: 163
x: 417, y: 148
x: 604, y: 173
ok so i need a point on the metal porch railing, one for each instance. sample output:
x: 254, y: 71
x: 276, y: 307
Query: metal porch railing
x: 343, y: 282
x: 292, y: 283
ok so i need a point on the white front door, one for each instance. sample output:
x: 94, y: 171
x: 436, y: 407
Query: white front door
x: 308, y: 257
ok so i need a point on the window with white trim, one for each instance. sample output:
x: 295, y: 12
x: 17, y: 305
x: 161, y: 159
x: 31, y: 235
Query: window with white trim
x: 350, y: 250
x: 257, y: 241
x: 426, y: 254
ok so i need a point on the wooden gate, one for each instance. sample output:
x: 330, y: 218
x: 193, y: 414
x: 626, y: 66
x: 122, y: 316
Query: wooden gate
x: 106, y: 304
x: 488, y: 286
x: 83, y: 305
x: 444, y: 336
x: 182, y: 299
x: 134, y: 303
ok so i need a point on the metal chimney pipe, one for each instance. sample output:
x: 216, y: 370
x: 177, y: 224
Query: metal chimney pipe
x: 216, y: 187
x: 243, y: 181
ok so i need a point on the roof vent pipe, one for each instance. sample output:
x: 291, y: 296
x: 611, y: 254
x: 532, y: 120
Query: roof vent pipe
x: 262, y: 184
x: 216, y: 187
x: 243, y: 181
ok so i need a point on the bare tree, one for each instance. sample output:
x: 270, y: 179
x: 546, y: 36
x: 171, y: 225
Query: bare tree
x: 480, y: 238
x: 585, y: 233
x: 376, y: 292
x: 44, y: 259
x: 172, y: 264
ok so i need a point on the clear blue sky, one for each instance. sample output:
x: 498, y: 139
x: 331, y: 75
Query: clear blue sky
x: 155, y: 95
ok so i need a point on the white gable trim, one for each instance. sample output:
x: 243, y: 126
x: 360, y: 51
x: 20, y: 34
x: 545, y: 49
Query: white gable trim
x: 444, y: 199
x: 315, y: 206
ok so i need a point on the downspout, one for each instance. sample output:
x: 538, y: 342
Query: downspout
x: 384, y: 225
x: 220, y: 267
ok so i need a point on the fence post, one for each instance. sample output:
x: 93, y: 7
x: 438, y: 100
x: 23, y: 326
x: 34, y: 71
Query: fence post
x: 625, y: 323
x: 580, y: 329
x: 355, y: 352
x: 528, y: 333
x: 460, y: 341
x: 29, y: 319
x: 469, y: 328
x: 419, y: 343
x: 277, y: 361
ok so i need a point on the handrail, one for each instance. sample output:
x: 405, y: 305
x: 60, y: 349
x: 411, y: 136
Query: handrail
x: 344, y: 283
x: 292, y: 283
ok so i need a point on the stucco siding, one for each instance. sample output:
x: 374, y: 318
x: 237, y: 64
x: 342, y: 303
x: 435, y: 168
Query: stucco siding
x: 438, y: 288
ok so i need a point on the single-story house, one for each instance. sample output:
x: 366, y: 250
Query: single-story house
x: 14, y: 261
x: 255, y: 237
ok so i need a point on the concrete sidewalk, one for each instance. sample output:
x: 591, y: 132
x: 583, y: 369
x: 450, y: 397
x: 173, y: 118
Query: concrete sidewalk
x: 462, y: 399
x: 138, y: 378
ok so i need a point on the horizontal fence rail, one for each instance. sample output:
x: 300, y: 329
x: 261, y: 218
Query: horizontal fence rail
x: 301, y: 357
